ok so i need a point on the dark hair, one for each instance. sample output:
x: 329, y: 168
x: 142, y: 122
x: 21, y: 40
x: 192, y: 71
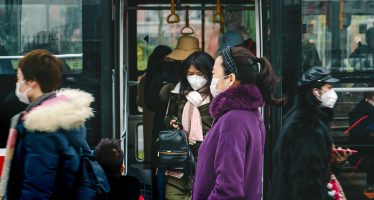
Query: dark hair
x: 203, y: 62
x: 41, y: 66
x: 368, y: 94
x: 110, y: 156
x: 158, y: 54
x: 251, y: 73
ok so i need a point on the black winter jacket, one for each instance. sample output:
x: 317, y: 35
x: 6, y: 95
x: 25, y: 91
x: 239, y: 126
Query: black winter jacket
x: 302, y: 153
x: 360, y: 133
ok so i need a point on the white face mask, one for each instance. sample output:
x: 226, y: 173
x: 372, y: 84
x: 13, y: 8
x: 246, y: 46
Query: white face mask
x: 215, y: 92
x: 196, y: 82
x: 328, y: 99
x: 22, y: 96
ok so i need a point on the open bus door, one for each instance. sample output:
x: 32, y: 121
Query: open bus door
x: 144, y: 27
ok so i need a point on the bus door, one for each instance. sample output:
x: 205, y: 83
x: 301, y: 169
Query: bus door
x: 145, y: 27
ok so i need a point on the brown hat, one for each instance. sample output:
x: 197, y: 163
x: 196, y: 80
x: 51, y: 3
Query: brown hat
x: 185, y: 47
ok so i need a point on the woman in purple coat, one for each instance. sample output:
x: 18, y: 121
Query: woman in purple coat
x: 230, y: 158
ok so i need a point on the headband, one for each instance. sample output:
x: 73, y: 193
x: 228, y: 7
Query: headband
x: 229, y: 61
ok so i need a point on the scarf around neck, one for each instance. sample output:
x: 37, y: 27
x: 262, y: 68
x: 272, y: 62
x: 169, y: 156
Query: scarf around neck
x: 191, y: 117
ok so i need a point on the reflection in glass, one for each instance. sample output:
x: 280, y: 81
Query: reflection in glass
x: 337, y: 34
x: 31, y: 25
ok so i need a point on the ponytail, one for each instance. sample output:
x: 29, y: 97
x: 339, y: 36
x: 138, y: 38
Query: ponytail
x: 250, y: 73
x: 267, y: 82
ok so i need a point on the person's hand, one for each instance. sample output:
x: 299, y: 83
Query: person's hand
x: 174, y: 124
x: 339, y: 155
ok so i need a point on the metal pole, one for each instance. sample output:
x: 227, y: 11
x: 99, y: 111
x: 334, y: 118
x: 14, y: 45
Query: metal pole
x: 203, y: 7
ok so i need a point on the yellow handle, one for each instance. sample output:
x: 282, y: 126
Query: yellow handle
x: 187, y: 28
x: 218, y: 17
x: 172, y: 18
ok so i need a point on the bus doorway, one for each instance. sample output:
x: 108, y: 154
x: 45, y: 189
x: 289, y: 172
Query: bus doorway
x: 145, y: 28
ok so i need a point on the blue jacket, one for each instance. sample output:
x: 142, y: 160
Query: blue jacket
x: 46, y: 155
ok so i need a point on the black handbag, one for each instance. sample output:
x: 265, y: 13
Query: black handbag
x: 174, y: 151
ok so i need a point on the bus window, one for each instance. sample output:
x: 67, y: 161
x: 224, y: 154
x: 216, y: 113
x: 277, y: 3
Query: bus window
x: 69, y: 30
x: 45, y: 25
x: 153, y: 30
x: 340, y: 35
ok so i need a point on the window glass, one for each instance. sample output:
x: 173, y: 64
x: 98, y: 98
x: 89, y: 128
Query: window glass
x: 41, y: 25
x: 140, y: 142
x: 153, y: 30
x: 338, y: 34
x: 57, y: 26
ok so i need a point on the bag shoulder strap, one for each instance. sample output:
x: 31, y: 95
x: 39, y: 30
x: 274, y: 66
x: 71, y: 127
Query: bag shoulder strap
x: 355, y: 124
x: 167, y: 109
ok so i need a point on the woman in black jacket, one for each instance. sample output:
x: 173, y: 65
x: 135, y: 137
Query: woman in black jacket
x: 302, y: 156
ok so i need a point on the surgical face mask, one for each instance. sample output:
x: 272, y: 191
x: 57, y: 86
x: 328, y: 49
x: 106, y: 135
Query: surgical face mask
x: 215, y: 92
x: 329, y: 98
x: 22, y: 96
x: 196, y: 82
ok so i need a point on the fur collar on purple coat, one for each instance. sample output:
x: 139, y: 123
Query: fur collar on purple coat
x: 243, y: 97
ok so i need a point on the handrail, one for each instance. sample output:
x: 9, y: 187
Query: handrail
x: 189, y: 29
x: 227, y: 7
x: 172, y: 15
x: 80, y: 55
x: 356, y: 89
x: 218, y: 17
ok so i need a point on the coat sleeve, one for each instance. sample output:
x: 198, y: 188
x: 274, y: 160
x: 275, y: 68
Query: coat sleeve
x: 41, y: 163
x: 229, y: 161
x: 309, y: 157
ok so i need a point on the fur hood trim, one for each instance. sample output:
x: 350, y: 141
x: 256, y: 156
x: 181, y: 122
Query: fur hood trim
x: 68, y: 110
x: 243, y: 97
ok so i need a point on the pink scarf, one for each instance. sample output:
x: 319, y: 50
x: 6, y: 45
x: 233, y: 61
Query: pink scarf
x: 191, y: 117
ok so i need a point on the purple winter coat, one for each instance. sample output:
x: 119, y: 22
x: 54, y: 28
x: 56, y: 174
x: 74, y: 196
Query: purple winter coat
x: 231, y: 155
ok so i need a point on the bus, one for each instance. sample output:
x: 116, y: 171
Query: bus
x: 104, y: 46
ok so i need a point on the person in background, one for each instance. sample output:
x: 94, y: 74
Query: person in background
x: 310, y: 56
x: 157, y: 100
x: 304, y: 152
x: 363, y: 133
x: 231, y: 155
x: 362, y: 58
x: 147, y: 91
x: 50, y: 131
x: 230, y: 38
x: 110, y: 156
x: 189, y: 106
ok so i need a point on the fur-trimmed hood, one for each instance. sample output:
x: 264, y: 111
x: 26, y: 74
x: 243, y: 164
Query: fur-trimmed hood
x: 243, y: 97
x: 68, y: 110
